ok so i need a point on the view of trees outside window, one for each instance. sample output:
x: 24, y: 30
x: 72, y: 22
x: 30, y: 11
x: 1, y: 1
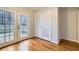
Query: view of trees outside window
x: 23, y: 25
x: 6, y: 26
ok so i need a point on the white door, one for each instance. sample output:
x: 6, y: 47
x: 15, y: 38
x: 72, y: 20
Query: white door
x: 22, y: 26
x: 7, y: 26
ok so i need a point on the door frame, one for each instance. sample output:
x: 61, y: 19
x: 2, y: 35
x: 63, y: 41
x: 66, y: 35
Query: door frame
x: 14, y: 26
x: 18, y: 25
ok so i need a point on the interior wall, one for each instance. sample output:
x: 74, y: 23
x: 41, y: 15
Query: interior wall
x: 42, y: 19
x: 78, y: 25
x: 63, y: 22
x: 60, y: 22
x: 62, y: 16
x: 53, y: 17
x: 54, y: 23
x: 69, y: 24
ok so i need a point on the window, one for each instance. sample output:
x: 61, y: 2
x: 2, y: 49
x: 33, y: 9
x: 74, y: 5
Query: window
x: 6, y: 26
x: 23, y: 25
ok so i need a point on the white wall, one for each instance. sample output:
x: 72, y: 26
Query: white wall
x: 43, y: 24
x: 78, y: 25
x: 69, y: 27
x: 62, y: 21
x: 51, y: 17
x: 54, y: 22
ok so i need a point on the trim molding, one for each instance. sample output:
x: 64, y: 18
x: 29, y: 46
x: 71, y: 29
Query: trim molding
x: 69, y: 42
x: 46, y: 40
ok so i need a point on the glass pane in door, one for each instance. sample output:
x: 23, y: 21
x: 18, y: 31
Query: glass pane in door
x: 1, y: 28
x: 23, y: 26
x: 9, y: 26
x: 6, y: 26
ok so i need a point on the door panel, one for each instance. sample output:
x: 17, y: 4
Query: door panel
x: 6, y: 26
x: 23, y: 25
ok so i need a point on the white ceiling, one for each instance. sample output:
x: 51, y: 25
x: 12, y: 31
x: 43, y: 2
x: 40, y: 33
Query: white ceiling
x: 33, y: 8
x: 36, y: 8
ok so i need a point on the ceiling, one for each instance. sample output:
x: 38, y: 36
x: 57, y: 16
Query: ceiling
x: 36, y: 8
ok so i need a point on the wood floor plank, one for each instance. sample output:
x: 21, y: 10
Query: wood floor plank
x: 36, y: 44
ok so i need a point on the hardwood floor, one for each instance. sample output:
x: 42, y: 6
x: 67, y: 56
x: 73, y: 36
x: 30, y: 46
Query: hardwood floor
x: 36, y: 44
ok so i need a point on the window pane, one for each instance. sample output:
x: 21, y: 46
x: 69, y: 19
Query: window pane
x: 6, y: 14
x: 23, y: 25
x: 1, y: 20
x: 6, y: 26
x: 11, y: 36
x: 1, y: 13
x: 7, y: 37
x: 7, y: 29
x: 1, y: 29
x: 11, y: 15
x: 2, y: 39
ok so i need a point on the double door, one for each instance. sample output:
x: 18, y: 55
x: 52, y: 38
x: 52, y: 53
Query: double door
x: 13, y: 26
